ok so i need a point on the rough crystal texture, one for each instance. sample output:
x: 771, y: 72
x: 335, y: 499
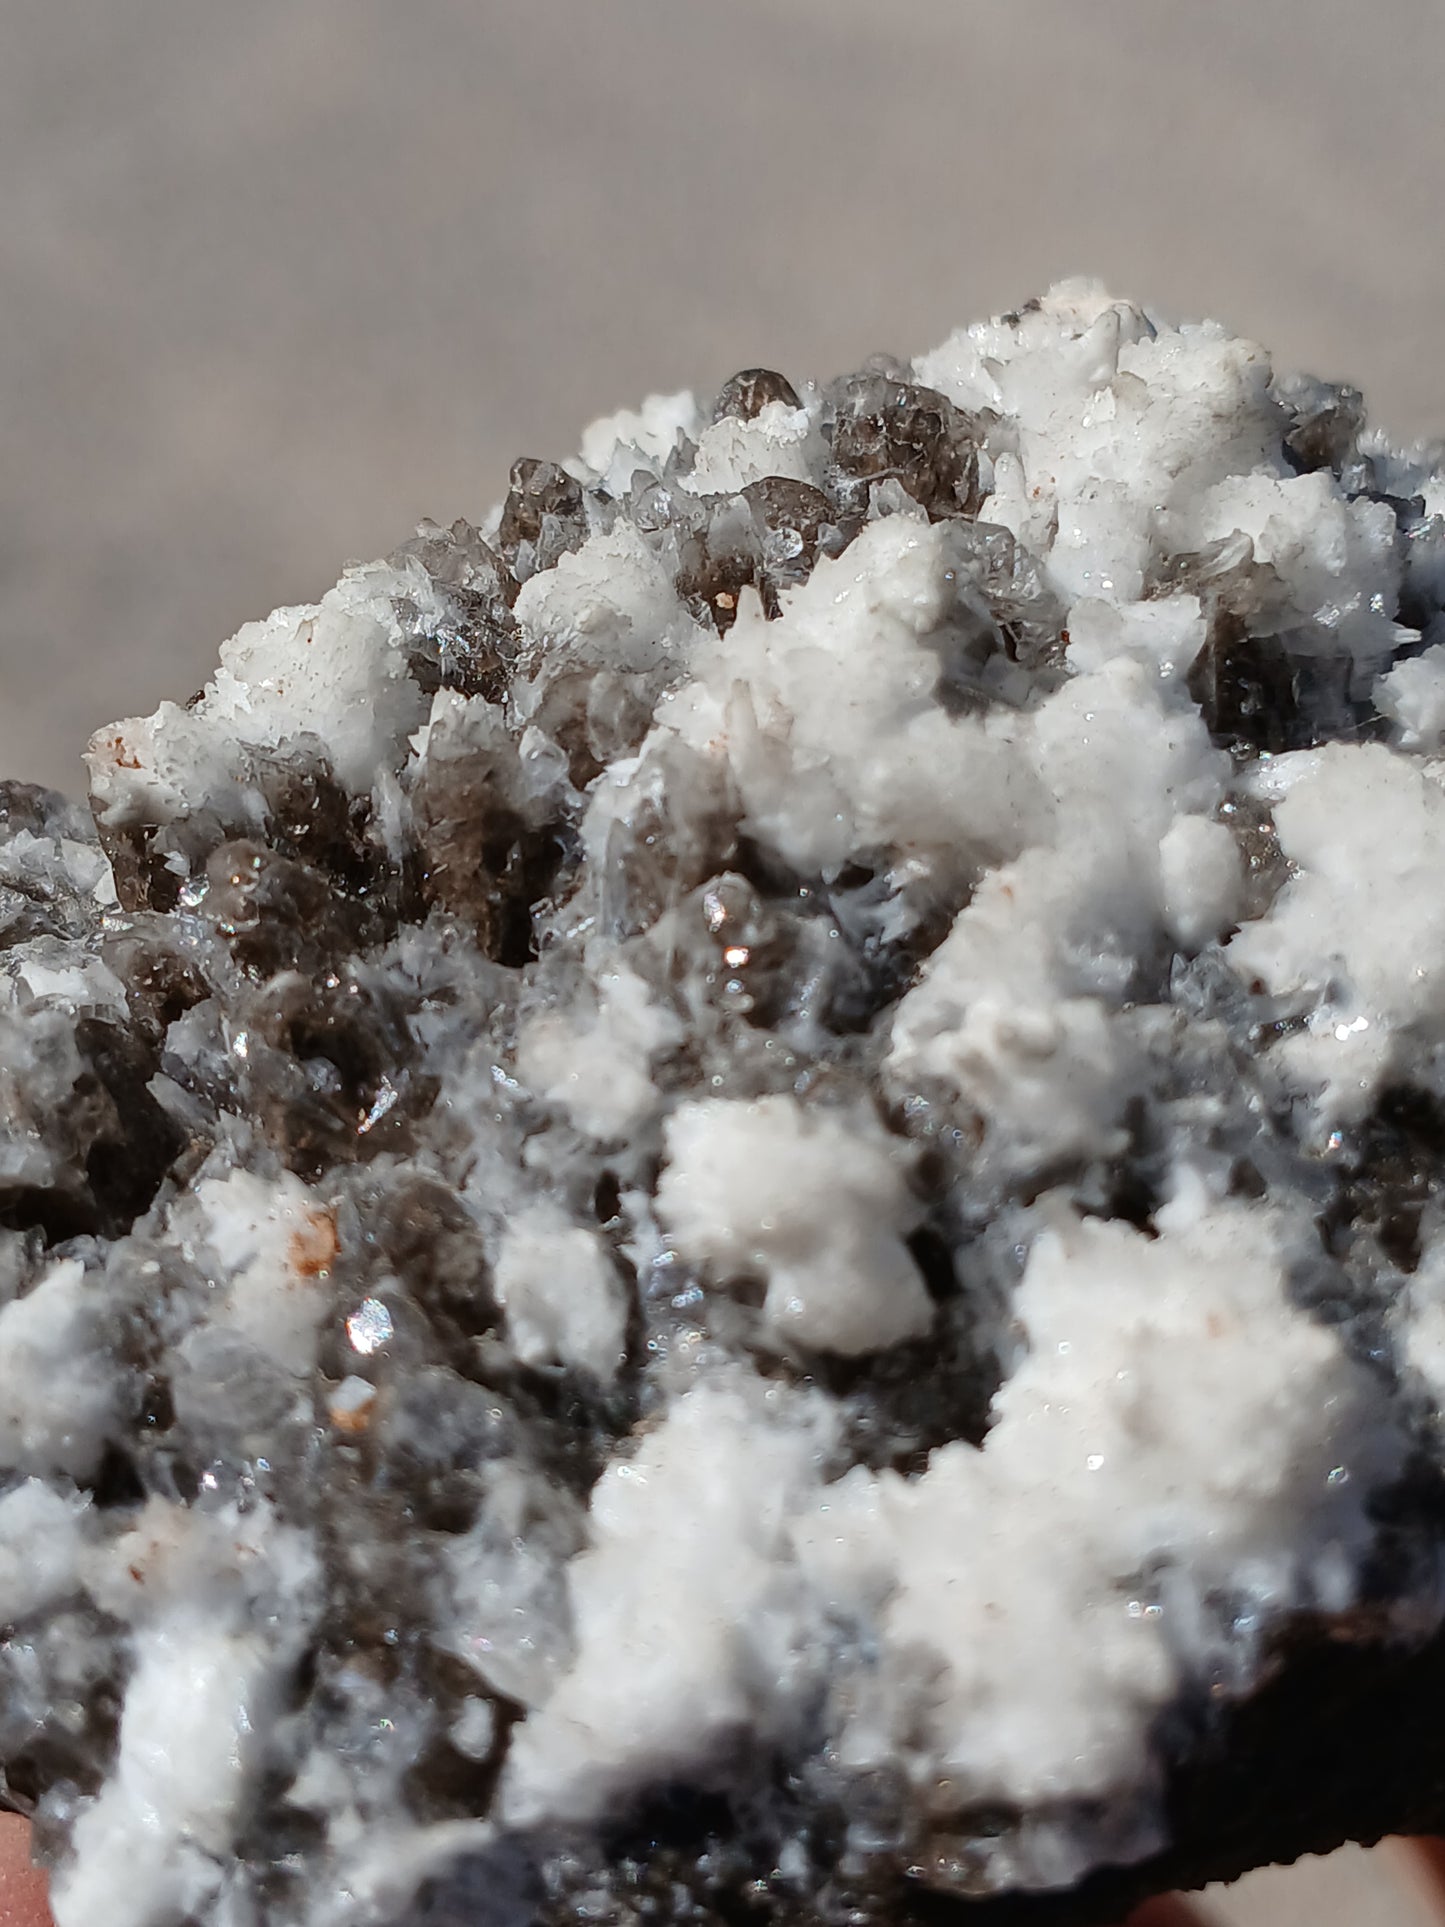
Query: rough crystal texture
x: 718, y: 1200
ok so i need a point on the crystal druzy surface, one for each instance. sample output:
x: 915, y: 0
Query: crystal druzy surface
x: 720, y: 1198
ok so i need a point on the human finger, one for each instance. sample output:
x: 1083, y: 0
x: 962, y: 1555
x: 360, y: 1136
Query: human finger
x: 1166, y: 1910
x: 23, y: 1901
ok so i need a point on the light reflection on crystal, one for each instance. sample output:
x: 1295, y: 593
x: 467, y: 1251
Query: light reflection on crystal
x: 369, y: 1327
x: 386, y: 1097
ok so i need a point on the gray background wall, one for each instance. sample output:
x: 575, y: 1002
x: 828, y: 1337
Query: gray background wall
x: 278, y: 278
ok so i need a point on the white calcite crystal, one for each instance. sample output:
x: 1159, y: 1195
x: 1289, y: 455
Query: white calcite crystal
x: 723, y: 1202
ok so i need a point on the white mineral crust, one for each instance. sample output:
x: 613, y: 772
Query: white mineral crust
x: 744, y: 1084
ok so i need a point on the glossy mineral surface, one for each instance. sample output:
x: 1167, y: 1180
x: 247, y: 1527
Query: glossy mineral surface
x: 723, y: 1192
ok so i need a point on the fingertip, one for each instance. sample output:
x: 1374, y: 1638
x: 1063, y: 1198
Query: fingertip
x: 23, y: 1887
x: 1167, y: 1910
x: 1423, y: 1858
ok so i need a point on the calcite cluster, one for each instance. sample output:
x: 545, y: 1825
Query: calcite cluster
x: 721, y: 1198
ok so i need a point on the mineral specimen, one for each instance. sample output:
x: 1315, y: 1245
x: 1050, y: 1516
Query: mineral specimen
x: 723, y: 1201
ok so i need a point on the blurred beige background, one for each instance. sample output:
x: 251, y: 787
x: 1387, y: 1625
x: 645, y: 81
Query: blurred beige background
x: 278, y: 278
